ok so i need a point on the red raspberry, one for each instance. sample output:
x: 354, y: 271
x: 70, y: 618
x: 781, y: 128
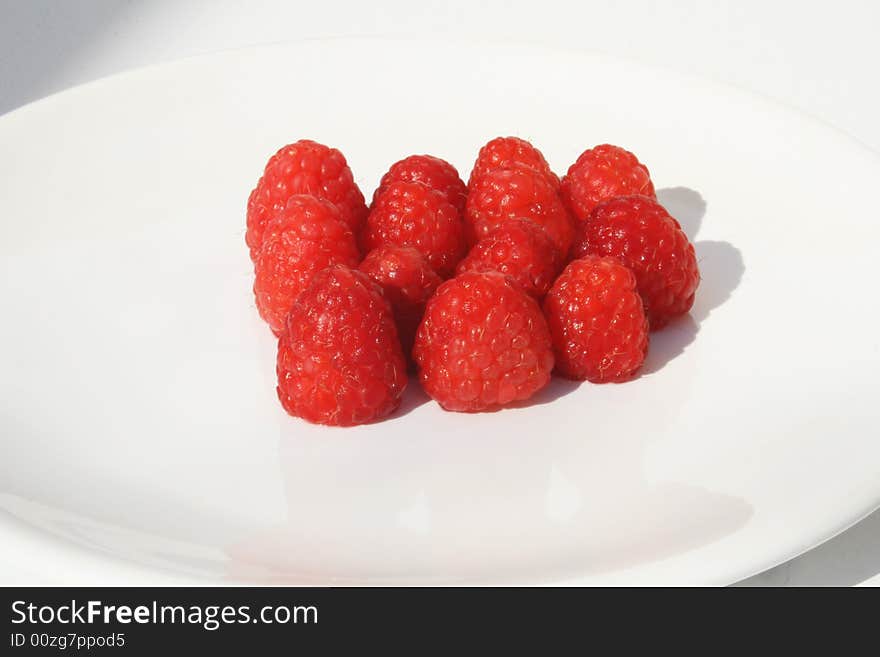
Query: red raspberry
x: 643, y: 236
x: 600, y: 173
x: 597, y: 321
x: 407, y: 281
x: 519, y: 249
x: 307, y: 236
x: 517, y: 194
x: 483, y: 343
x: 511, y: 153
x: 412, y: 214
x: 340, y: 362
x: 304, y: 167
x: 437, y: 174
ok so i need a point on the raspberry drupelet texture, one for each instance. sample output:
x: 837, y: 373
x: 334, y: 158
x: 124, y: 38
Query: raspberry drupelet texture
x: 504, y: 194
x: 519, y: 249
x: 413, y: 214
x: 339, y: 361
x: 511, y: 153
x: 483, y: 343
x: 601, y: 173
x: 642, y: 235
x: 308, y: 235
x: 432, y: 172
x: 597, y: 321
x: 304, y: 167
x: 408, y: 282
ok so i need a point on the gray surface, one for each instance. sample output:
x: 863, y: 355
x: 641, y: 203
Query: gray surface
x: 770, y: 48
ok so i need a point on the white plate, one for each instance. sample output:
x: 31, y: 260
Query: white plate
x: 139, y: 416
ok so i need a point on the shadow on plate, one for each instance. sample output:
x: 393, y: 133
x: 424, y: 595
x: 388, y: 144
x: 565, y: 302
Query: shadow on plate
x: 721, y: 271
x: 685, y: 204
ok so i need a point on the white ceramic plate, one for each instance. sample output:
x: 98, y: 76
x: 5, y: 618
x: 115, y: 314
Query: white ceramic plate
x: 138, y: 409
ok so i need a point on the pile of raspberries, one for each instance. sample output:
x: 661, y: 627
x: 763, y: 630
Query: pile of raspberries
x: 485, y: 288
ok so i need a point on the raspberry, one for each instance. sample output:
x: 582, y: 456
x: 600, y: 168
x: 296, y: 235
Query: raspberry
x: 437, y: 174
x: 643, y: 236
x: 601, y: 173
x: 517, y: 194
x: 511, y: 153
x: 412, y: 214
x: 304, y: 167
x: 407, y: 281
x: 597, y: 321
x: 339, y: 361
x: 482, y: 343
x: 519, y: 249
x: 307, y: 236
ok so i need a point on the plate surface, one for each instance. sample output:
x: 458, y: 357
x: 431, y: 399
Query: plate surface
x: 138, y: 410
